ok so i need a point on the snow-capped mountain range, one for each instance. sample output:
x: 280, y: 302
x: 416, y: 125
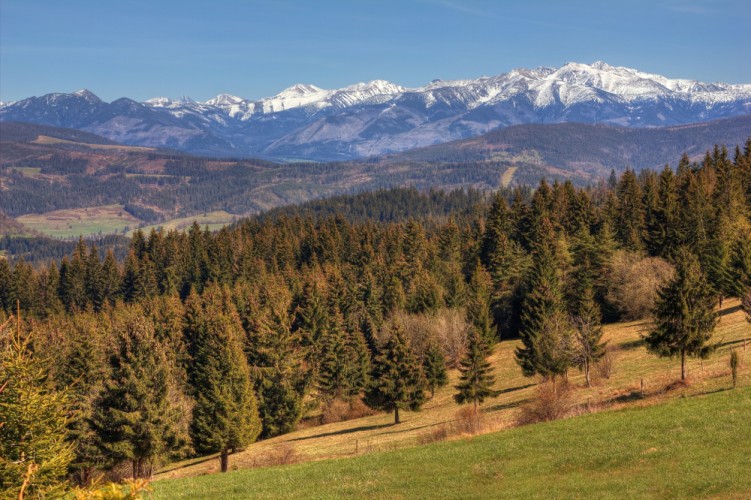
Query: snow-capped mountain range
x: 366, y: 119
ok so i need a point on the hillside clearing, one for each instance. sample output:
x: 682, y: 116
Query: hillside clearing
x: 631, y: 366
x: 699, y: 446
x: 106, y: 219
x: 214, y: 220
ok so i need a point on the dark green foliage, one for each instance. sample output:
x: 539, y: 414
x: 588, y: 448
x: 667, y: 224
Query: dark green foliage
x: 479, y: 313
x: 434, y: 368
x: 684, y: 314
x: 476, y: 380
x: 397, y: 378
x: 546, y: 334
x: 225, y: 415
x: 138, y: 416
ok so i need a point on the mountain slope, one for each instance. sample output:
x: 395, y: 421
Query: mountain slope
x: 369, y: 119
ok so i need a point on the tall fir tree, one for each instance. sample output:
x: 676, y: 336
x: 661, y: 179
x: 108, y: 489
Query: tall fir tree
x: 136, y: 416
x: 397, y: 379
x: 434, y: 368
x: 476, y: 379
x: 684, y: 314
x: 588, y: 327
x: 546, y: 334
x: 225, y: 415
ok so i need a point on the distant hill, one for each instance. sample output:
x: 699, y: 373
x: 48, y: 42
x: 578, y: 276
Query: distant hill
x: 586, y: 148
x: 30, y: 132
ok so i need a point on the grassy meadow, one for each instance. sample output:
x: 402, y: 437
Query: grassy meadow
x: 71, y: 223
x: 214, y: 220
x: 593, y: 454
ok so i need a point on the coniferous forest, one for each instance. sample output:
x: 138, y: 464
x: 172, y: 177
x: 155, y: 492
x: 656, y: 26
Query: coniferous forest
x: 195, y: 343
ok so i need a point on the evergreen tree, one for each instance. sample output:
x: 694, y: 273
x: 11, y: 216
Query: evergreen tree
x: 479, y: 313
x: 684, y: 314
x: 397, y: 380
x: 476, y: 380
x: 225, y: 415
x: 434, y: 368
x: 333, y: 379
x: 137, y: 417
x: 546, y: 334
x: 587, y: 324
x: 33, y: 422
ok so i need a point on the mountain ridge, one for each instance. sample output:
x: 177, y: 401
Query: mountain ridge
x: 380, y: 117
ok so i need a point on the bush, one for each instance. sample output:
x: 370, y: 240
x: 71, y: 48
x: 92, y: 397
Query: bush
x: 448, y: 328
x: 440, y: 433
x: 604, y: 366
x: 340, y: 411
x: 468, y: 421
x: 550, y: 403
x: 634, y: 282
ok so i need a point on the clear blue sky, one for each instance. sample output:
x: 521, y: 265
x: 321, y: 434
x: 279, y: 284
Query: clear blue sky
x: 253, y: 49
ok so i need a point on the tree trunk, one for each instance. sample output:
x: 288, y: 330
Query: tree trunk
x: 586, y: 372
x: 683, y: 364
x: 224, y: 460
x: 396, y: 415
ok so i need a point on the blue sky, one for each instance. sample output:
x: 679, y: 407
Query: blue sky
x: 253, y: 49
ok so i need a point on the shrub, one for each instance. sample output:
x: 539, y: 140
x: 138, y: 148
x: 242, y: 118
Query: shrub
x: 468, y: 421
x: 550, y: 403
x: 604, y: 366
x: 440, y: 433
x: 634, y: 282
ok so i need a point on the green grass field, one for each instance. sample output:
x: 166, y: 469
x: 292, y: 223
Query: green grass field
x: 108, y: 219
x: 692, y: 447
x: 214, y: 220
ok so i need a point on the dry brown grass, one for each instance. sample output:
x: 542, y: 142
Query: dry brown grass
x: 632, y: 365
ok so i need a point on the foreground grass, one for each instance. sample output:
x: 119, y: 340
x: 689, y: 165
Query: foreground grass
x: 692, y: 447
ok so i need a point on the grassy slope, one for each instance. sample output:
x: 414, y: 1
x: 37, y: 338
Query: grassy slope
x: 214, y: 220
x: 631, y: 365
x: 691, y: 447
x: 108, y: 219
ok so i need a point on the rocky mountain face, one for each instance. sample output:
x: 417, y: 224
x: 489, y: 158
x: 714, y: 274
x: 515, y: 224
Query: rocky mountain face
x: 379, y: 117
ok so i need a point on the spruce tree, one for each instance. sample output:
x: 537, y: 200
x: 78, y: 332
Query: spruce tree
x: 588, y: 327
x: 333, y: 374
x: 684, y: 314
x: 434, y: 368
x: 34, y: 450
x: 225, y: 415
x: 136, y: 416
x: 476, y: 380
x: 397, y: 380
x: 479, y: 313
x: 546, y: 333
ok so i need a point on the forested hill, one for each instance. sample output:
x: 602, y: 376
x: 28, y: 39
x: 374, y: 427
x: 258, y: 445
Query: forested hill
x: 259, y: 325
x: 590, y: 148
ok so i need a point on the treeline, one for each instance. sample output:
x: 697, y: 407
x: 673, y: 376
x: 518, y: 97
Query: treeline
x: 201, y: 342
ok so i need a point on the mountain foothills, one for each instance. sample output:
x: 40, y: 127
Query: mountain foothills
x: 121, y: 367
x: 45, y: 170
x: 379, y: 117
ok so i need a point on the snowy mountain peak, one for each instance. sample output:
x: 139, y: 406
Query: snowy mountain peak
x: 224, y: 100
x: 88, y: 95
x: 299, y: 89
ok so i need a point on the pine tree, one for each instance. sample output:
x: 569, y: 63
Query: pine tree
x: 225, y: 415
x: 333, y: 374
x: 546, y: 334
x: 137, y: 417
x: 434, y: 368
x: 630, y: 217
x: 397, y: 380
x: 684, y: 314
x: 587, y: 324
x: 479, y: 313
x: 476, y: 380
x: 34, y: 452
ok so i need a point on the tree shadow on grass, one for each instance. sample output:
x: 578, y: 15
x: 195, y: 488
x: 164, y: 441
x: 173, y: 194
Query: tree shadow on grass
x: 343, y: 431
x: 507, y: 406
x: 730, y: 310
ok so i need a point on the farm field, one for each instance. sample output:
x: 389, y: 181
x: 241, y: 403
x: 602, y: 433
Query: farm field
x: 631, y: 366
x: 214, y: 220
x: 107, y: 219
